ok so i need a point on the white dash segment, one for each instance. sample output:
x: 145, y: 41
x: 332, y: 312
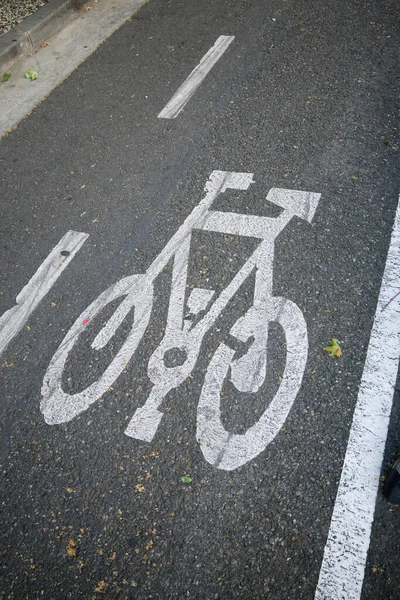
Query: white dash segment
x: 343, y: 565
x: 13, y: 320
x: 188, y: 88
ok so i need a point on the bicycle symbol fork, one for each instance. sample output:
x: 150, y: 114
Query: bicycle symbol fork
x: 247, y: 373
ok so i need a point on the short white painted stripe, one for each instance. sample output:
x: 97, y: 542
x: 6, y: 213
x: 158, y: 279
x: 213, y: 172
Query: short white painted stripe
x: 36, y: 289
x: 342, y: 571
x: 188, y: 88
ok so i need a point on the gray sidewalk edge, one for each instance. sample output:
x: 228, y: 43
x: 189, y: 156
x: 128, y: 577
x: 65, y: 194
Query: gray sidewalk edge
x: 36, y: 29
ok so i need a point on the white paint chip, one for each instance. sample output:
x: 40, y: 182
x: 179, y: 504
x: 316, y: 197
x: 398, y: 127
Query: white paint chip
x: 199, y: 73
x: 342, y: 571
x: 13, y: 320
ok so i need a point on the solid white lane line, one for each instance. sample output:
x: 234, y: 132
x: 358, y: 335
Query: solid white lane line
x: 188, y: 88
x: 12, y: 321
x: 342, y: 571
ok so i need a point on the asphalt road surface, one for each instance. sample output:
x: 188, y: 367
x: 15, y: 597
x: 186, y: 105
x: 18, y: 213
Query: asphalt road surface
x: 224, y: 484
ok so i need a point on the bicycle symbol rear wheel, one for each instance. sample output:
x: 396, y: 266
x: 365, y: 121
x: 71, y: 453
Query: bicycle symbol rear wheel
x: 229, y: 451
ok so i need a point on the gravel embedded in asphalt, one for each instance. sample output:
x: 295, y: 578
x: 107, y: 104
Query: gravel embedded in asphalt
x: 89, y: 512
x: 13, y: 12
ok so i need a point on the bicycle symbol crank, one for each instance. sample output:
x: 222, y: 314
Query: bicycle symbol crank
x: 220, y: 448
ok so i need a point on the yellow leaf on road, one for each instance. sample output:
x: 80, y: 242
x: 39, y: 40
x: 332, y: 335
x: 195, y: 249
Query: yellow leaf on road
x: 333, y: 348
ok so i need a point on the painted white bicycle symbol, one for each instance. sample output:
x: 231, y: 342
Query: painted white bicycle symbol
x: 247, y: 373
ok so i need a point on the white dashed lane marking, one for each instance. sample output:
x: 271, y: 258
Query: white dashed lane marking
x: 188, y: 88
x: 13, y: 320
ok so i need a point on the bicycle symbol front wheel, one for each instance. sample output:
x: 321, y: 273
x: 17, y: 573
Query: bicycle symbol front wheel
x: 58, y: 406
x: 229, y: 451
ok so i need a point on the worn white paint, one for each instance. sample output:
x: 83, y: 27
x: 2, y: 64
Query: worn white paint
x: 342, y: 571
x: 188, y: 88
x: 220, y: 447
x: 184, y: 338
x: 13, y: 320
x: 58, y: 406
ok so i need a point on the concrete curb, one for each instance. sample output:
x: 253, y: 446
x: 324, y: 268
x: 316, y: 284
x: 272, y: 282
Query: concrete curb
x: 36, y: 29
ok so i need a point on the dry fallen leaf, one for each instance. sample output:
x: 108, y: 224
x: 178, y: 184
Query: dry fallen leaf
x: 139, y: 487
x: 101, y: 585
x: 71, y: 548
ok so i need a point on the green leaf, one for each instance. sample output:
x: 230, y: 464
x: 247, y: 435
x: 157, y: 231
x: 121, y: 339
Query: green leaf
x: 333, y: 348
x: 186, y: 479
x: 6, y: 76
x: 31, y: 74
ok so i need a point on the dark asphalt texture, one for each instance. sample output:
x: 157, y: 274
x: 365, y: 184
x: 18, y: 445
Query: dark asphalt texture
x: 304, y: 98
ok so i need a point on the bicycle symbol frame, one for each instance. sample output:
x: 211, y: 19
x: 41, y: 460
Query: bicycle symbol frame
x: 221, y: 448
